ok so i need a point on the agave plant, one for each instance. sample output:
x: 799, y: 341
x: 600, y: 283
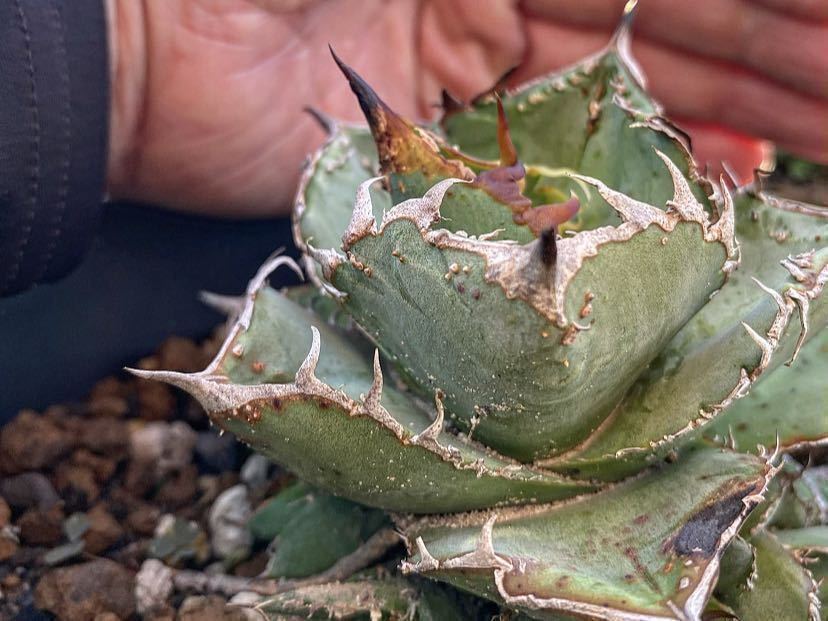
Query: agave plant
x: 534, y: 338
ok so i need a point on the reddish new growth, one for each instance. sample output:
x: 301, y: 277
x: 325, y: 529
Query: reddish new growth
x: 503, y: 183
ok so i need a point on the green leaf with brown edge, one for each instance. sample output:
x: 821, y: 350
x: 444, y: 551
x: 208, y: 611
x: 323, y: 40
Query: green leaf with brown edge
x: 647, y: 548
x: 779, y: 587
x: 299, y: 392
x: 714, y: 359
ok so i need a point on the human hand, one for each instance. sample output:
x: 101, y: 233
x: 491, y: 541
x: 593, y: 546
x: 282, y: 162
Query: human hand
x: 208, y: 94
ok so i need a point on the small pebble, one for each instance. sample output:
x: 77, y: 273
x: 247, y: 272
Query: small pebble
x: 153, y: 586
x: 254, y: 471
x: 228, y: 517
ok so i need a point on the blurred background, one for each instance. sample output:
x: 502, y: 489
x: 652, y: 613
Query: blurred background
x: 138, y: 285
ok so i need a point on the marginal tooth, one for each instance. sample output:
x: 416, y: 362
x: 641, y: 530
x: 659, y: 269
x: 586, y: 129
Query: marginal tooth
x: 328, y: 259
x: 326, y: 122
x: 271, y: 264
x: 372, y: 399
x: 228, y: 305
x: 423, y: 211
x: 432, y: 432
x: 762, y: 342
x: 306, y: 375
x: 683, y: 201
x: 620, y: 42
x: 426, y: 563
x: 260, y: 280
x: 803, y: 303
x: 484, y: 556
x: 212, y: 392
x: 634, y: 212
x: 780, y: 301
x: 795, y: 266
x: 724, y: 229
x: 362, y: 221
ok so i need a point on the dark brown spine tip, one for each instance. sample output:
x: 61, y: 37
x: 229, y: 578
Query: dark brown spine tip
x: 327, y: 124
x: 368, y: 99
x: 508, y: 153
x: 549, y: 247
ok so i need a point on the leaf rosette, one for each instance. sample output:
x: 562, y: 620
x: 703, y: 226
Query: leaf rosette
x: 539, y: 311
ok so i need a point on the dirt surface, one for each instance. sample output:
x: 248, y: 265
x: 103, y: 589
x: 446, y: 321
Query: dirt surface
x: 89, y: 491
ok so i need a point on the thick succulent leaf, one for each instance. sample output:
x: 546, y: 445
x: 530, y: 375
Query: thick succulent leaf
x: 325, y: 198
x: 594, y: 118
x: 778, y: 586
x: 818, y: 566
x: 372, y: 599
x: 311, y: 530
x: 270, y: 517
x: 812, y: 538
x: 790, y: 405
x: 439, y: 305
x: 736, y: 565
x: 361, y: 600
x: 743, y: 333
x: 800, y: 500
x: 646, y: 549
x: 412, y: 158
x: 327, y: 416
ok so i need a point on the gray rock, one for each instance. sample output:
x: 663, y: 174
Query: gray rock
x: 228, y: 517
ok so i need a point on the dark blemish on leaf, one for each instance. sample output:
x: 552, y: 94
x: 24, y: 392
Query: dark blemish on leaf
x: 702, y: 531
x: 562, y: 582
x: 277, y: 404
x: 641, y: 519
x: 461, y: 288
x: 476, y: 294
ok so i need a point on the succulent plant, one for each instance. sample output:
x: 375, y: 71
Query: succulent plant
x: 553, y: 351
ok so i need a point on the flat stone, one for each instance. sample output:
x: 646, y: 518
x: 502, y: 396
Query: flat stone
x: 80, y: 592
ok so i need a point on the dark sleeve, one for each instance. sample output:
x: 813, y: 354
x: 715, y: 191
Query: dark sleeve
x: 54, y: 108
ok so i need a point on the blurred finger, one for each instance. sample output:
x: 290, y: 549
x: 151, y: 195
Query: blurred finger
x: 791, y: 51
x: 698, y: 89
x: 716, y: 147
x: 803, y: 9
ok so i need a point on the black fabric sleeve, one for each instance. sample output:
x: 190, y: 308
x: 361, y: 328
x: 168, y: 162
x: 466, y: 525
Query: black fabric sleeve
x: 54, y: 108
